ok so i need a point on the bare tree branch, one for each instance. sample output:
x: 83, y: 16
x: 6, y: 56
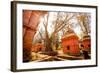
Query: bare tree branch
x: 41, y: 35
x: 65, y: 22
x: 84, y: 21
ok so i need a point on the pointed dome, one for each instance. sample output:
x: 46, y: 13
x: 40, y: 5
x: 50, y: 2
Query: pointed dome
x: 86, y: 37
x: 69, y: 32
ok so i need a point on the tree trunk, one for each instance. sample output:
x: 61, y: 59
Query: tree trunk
x: 48, y: 47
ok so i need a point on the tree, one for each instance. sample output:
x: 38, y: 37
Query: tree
x: 62, y: 20
x: 84, y: 22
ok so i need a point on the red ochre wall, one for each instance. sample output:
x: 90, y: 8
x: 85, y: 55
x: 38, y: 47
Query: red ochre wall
x: 73, y: 43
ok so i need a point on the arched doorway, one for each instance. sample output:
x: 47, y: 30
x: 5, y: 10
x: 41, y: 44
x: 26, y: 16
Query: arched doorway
x: 30, y: 23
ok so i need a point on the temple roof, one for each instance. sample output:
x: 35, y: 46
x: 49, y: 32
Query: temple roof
x: 86, y: 37
x: 69, y: 32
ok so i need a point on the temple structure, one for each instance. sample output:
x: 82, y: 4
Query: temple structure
x: 70, y: 43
